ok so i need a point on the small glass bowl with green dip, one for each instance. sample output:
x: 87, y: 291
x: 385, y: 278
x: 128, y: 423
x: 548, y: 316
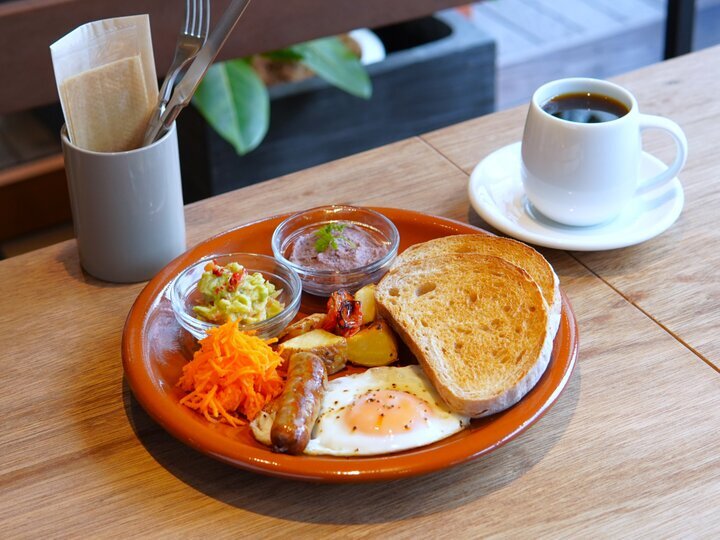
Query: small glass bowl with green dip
x: 259, y: 292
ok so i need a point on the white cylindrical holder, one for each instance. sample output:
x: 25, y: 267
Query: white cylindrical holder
x: 127, y: 208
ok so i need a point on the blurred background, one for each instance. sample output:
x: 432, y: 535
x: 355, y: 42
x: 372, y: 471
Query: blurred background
x: 428, y: 69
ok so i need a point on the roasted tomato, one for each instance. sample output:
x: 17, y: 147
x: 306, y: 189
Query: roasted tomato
x: 344, y: 316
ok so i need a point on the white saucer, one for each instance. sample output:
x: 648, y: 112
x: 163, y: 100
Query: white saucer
x: 496, y: 192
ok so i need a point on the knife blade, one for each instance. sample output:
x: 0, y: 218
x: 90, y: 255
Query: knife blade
x: 184, y: 90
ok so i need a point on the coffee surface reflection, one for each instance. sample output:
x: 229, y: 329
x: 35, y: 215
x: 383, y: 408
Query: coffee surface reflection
x: 585, y: 108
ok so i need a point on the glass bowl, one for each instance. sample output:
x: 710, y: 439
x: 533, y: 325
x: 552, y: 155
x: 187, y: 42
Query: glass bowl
x: 184, y: 294
x: 322, y: 282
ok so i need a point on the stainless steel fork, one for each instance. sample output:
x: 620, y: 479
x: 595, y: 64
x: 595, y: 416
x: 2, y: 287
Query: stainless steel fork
x: 183, y: 92
x: 192, y: 37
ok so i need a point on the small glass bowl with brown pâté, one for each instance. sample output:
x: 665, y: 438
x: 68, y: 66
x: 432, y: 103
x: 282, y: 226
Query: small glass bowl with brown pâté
x: 336, y: 247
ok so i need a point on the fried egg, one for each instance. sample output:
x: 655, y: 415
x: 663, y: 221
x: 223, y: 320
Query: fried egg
x: 379, y: 411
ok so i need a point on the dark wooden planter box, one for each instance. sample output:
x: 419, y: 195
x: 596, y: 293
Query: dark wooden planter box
x: 439, y: 70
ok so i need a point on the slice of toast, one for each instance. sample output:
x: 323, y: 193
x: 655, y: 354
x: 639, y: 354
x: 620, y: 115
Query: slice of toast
x: 477, y: 324
x: 512, y: 251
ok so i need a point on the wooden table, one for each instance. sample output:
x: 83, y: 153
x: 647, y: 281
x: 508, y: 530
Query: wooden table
x: 630, y: 448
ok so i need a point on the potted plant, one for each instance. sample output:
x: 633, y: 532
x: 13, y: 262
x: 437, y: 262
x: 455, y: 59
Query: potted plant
x: 438, y: 71
x: 233, y: 97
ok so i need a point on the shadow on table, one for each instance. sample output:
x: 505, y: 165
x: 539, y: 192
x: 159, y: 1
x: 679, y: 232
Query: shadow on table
x: 68, y: 256
x: 357, y: 503
x: 474, y: 219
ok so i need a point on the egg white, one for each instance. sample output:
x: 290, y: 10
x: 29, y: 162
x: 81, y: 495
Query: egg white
x: 332, y: 435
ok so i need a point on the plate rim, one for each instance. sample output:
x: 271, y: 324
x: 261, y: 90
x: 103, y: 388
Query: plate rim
x: 423, y: 460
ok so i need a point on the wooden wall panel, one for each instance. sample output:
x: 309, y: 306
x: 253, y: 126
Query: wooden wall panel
x: 40, y: 200
x: 28, y: 27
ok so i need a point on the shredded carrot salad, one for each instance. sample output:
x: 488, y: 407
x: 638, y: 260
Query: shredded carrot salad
x: 232, y: 374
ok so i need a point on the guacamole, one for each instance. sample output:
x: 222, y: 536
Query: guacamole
x: 230, y: 292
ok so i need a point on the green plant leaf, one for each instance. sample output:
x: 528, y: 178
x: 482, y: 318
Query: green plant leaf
x: 235, y: 102
x: 330, y: 59
x: 283, y: 55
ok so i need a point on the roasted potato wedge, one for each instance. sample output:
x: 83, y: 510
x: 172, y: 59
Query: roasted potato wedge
x: 303, y: 326
x: 331, y: 348
x: 374, y: 345
x: 366, y: 297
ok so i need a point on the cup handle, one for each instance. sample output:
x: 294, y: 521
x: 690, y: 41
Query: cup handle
x: 651, y: 121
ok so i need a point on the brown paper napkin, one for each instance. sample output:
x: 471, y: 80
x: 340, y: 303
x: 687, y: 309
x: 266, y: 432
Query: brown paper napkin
x: 105, y: 73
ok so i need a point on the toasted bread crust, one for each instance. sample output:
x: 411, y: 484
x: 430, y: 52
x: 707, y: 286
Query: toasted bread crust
x: 478, y: 325
x: 511, y: 250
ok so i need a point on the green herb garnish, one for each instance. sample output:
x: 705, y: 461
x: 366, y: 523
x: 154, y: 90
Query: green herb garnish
x: 328, y: 237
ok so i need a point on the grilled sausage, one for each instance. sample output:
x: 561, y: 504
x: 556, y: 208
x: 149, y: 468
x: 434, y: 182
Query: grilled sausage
x: 299, y: 403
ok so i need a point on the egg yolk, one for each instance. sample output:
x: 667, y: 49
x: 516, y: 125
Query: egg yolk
x: 386, y: 412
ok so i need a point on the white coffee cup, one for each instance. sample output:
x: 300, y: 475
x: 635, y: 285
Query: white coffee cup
x: 583, y: 174
x: 127, y: 208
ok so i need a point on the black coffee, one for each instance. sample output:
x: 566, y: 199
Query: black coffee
x: 585, y: 108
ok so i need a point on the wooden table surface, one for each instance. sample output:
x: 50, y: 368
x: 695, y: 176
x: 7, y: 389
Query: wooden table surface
x: 629, y: 449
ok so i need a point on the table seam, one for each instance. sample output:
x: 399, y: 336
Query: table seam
x: 647, y: 314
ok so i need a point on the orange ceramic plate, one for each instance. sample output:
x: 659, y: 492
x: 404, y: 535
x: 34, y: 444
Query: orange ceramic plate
x: 155, y: 347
